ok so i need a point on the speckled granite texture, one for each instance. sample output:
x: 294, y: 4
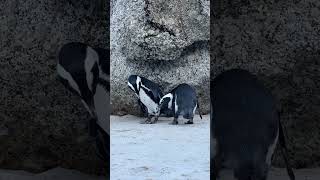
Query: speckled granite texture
x: 41, y: 124
x: 280, y: 42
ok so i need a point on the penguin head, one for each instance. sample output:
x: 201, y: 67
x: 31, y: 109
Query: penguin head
x: 166, y: 101
x: 134, y: 83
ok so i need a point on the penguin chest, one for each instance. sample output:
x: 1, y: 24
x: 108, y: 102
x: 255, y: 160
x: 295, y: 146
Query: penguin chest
x: 149, y: 103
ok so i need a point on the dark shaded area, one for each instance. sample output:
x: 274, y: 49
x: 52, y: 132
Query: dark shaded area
x: 42, y: 124
x: 280, y: 42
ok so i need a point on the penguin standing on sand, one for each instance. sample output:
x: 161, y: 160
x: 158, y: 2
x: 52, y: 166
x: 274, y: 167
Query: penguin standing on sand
x: 182, y: 100
x: 149, y: 95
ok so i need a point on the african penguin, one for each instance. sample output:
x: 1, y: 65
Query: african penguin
x: 84, y: 71
x: 143, y: 108
x: 245, y: 126
x: 148, y: 93
x: 182, y: 100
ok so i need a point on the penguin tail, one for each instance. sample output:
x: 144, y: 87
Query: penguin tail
x: 284, y: 151
x: 199, y: 109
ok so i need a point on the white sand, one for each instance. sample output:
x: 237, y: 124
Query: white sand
x: 159, y: 151
x: 167, y: 152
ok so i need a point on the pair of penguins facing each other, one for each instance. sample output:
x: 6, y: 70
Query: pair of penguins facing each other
x: 181, y: 101
x: 85, y: 72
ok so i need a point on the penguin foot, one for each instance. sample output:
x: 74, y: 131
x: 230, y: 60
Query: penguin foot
x: 145, y: 122
x: 174, y: 123
x: 189, y: 122
x: 154, y: 121
x: 148, y: 122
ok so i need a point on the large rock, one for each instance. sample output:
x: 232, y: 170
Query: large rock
x: 52, y: 174
x: 158, y: 29
x: 167, y: 42
x: 41, y: 124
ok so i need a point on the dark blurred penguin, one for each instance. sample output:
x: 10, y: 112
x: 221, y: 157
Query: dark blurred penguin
x: 84, y: 71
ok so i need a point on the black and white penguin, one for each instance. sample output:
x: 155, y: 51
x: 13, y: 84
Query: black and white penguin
x: 182, y: 101
x: 245, y: 126
x: 143, y: 108
x: 149, y: 94
x: 84, y: 71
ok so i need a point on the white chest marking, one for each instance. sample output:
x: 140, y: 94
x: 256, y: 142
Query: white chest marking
x: 130, y: 85
x: 138, y: 80
x: 271, y: 149
x: 67, y: 76
x: 145, y: 87
x: 194, y: 110
x: 102, y: 107
x: 149, y: 103
x: 102, y: 74
x: 175, y: 104
x: 91, y: 58
x: 170, y: 96
x: 170, y: 104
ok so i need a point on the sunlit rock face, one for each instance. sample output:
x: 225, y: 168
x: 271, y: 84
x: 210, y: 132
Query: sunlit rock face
x: 166, y: 42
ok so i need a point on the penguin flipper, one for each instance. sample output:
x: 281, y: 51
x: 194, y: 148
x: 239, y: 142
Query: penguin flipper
x: 143, y: 108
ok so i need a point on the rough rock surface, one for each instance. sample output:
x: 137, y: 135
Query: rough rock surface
x: 41, y: 124
x: 158, y: 29
x: 280, y: 42
x: 166, y: 42
x: 52, y: 174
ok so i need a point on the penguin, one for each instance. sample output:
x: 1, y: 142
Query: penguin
x: 182, y: 101
x: 84, y: 71
x: 245, y: 126
x: 148, y: 94
x: 143, y: 108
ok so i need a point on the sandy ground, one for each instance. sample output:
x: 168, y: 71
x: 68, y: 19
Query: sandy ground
x: 162, y: 151
x: 159, y: 151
